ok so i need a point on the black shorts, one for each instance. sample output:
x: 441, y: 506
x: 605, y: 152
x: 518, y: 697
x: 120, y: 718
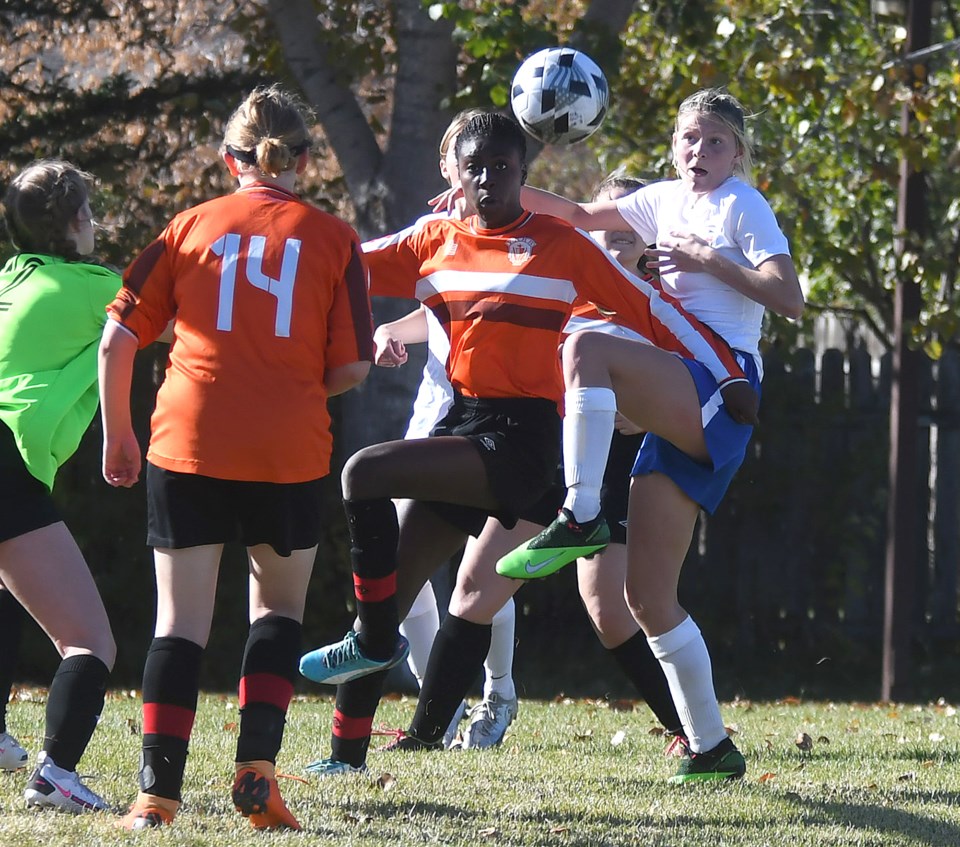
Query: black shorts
x: 615, y: 494
x: 189, y: 510
x: 518, y: 439
x: 25, y: 502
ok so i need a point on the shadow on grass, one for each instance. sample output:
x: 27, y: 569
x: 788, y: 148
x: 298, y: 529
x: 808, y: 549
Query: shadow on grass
x: 884, y: 819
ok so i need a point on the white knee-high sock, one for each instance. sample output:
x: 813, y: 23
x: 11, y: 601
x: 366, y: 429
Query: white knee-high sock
x: 588, y: 419
x: 420, y: 627
x: 686, y: 664
x: 498, y: 666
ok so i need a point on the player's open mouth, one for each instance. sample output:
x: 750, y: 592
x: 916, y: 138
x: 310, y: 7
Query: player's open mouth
x: 698, y: 171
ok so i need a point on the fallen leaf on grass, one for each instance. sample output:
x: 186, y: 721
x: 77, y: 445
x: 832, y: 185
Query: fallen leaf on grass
x: 618, y: 738
x: 928, y: 764
x: 732, y: 730
x: 767, y: 777
x: 294, y: 777
x: 906, y: 777
x: 134, y: 727
x: 804, y: 742
x: 230, y: 726
x: 584, y: 735
x: 936, y: 737
x: 822, y: 739
x: 789, y: 701
x: 489, y: 832
x: 657, y: 731
x: 386, y: 781
x: 357, y: 818
x: 621, y: 705
x: 559, y: 830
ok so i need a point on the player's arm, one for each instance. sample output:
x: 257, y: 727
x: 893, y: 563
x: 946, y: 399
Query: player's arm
x: 344, y: 377
x: 121, y: 451
x: 390, y: 340
x: 588, y: 216
x: 773, y: 283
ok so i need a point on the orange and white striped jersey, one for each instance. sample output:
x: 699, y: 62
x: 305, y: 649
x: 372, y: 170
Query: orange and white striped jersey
x: 268, y: 293
x: 504, y: 297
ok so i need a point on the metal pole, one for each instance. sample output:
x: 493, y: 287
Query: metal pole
x: 901, y: 563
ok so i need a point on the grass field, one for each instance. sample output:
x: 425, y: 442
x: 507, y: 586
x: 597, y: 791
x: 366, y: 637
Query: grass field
x: 568, y: 773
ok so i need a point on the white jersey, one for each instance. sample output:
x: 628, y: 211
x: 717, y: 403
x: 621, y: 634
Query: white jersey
x: 733, y: 219
x: 435, y: 395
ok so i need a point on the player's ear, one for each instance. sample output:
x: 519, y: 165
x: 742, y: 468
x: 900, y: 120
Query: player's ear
x: 231, y: 163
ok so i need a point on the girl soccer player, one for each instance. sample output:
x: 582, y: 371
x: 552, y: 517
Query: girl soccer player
x: 52, y: 303
x: 480, y: 591
x: 500, y: 282
x: 724, y: 258
x: 434, y: 397
x: 268, y: 298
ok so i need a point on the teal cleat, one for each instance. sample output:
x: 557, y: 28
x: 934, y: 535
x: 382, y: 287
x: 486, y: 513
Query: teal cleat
x: 334, y: 767
x: 561, y: 543
x: 343, y: 661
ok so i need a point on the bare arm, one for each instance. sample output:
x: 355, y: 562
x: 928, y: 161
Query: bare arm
x: 390, y: 339
x: 774, y: 284
x: 121, y: 451
x: 343, y: 378
x: 589, y: 216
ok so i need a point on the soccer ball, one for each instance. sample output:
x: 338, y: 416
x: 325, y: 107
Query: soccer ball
x: 559, y: 95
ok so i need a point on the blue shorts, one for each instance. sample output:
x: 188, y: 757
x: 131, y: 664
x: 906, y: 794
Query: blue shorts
x: 703, y: 482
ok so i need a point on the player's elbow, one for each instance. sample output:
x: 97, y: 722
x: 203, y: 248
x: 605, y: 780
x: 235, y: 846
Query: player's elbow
x: 343, y: 378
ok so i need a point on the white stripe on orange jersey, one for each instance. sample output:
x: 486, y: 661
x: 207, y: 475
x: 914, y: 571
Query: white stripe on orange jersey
x: 524, y: 285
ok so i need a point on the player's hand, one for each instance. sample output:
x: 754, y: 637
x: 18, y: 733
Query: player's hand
x: 121, y: 461
x: 741, y: 402
x: 388, y: 352
x: 679, y: 251
x: 625, y: 426
x: 450, y: 201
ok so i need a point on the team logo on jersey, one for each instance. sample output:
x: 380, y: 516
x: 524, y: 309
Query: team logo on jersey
x: 450, y: 248
x: 520, y: 250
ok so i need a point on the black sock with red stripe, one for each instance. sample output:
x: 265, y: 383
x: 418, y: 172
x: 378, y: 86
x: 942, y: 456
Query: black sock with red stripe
x: 171, y: 685
x: 73, y: 708
x: 12, y: 616
x: 353, y: 715
x: 266, y: 686
x: 455, y: 661
x: 644, y: 670
x: 374, y: 534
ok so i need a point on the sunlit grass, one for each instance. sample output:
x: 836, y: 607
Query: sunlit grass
x: 569, y: 773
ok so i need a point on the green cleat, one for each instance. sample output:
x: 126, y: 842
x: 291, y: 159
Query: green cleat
x: 724, y: 761
x: 561, y: 543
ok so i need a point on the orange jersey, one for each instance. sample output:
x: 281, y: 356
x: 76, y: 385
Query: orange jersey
x: 504, y: 297
x: 267, y: 293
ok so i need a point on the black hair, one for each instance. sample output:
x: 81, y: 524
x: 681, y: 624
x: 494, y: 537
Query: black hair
x: 494, y: 125
x: 41, y: 202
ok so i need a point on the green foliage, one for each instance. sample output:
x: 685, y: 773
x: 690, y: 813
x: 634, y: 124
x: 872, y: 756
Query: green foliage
x: 826, y: 87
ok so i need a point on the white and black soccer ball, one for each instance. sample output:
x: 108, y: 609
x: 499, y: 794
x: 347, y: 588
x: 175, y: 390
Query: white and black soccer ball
x: 559, y: 95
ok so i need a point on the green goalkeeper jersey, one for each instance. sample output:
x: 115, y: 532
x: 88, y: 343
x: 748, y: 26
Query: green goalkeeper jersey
x: 52, y: 314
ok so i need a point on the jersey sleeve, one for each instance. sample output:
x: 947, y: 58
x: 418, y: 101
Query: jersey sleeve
x: 102, y: 290
x: 394, y: 261
x: 756, y: 230
x: 350, y: 323
x: 145, y: 303
x: 642, y: 305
